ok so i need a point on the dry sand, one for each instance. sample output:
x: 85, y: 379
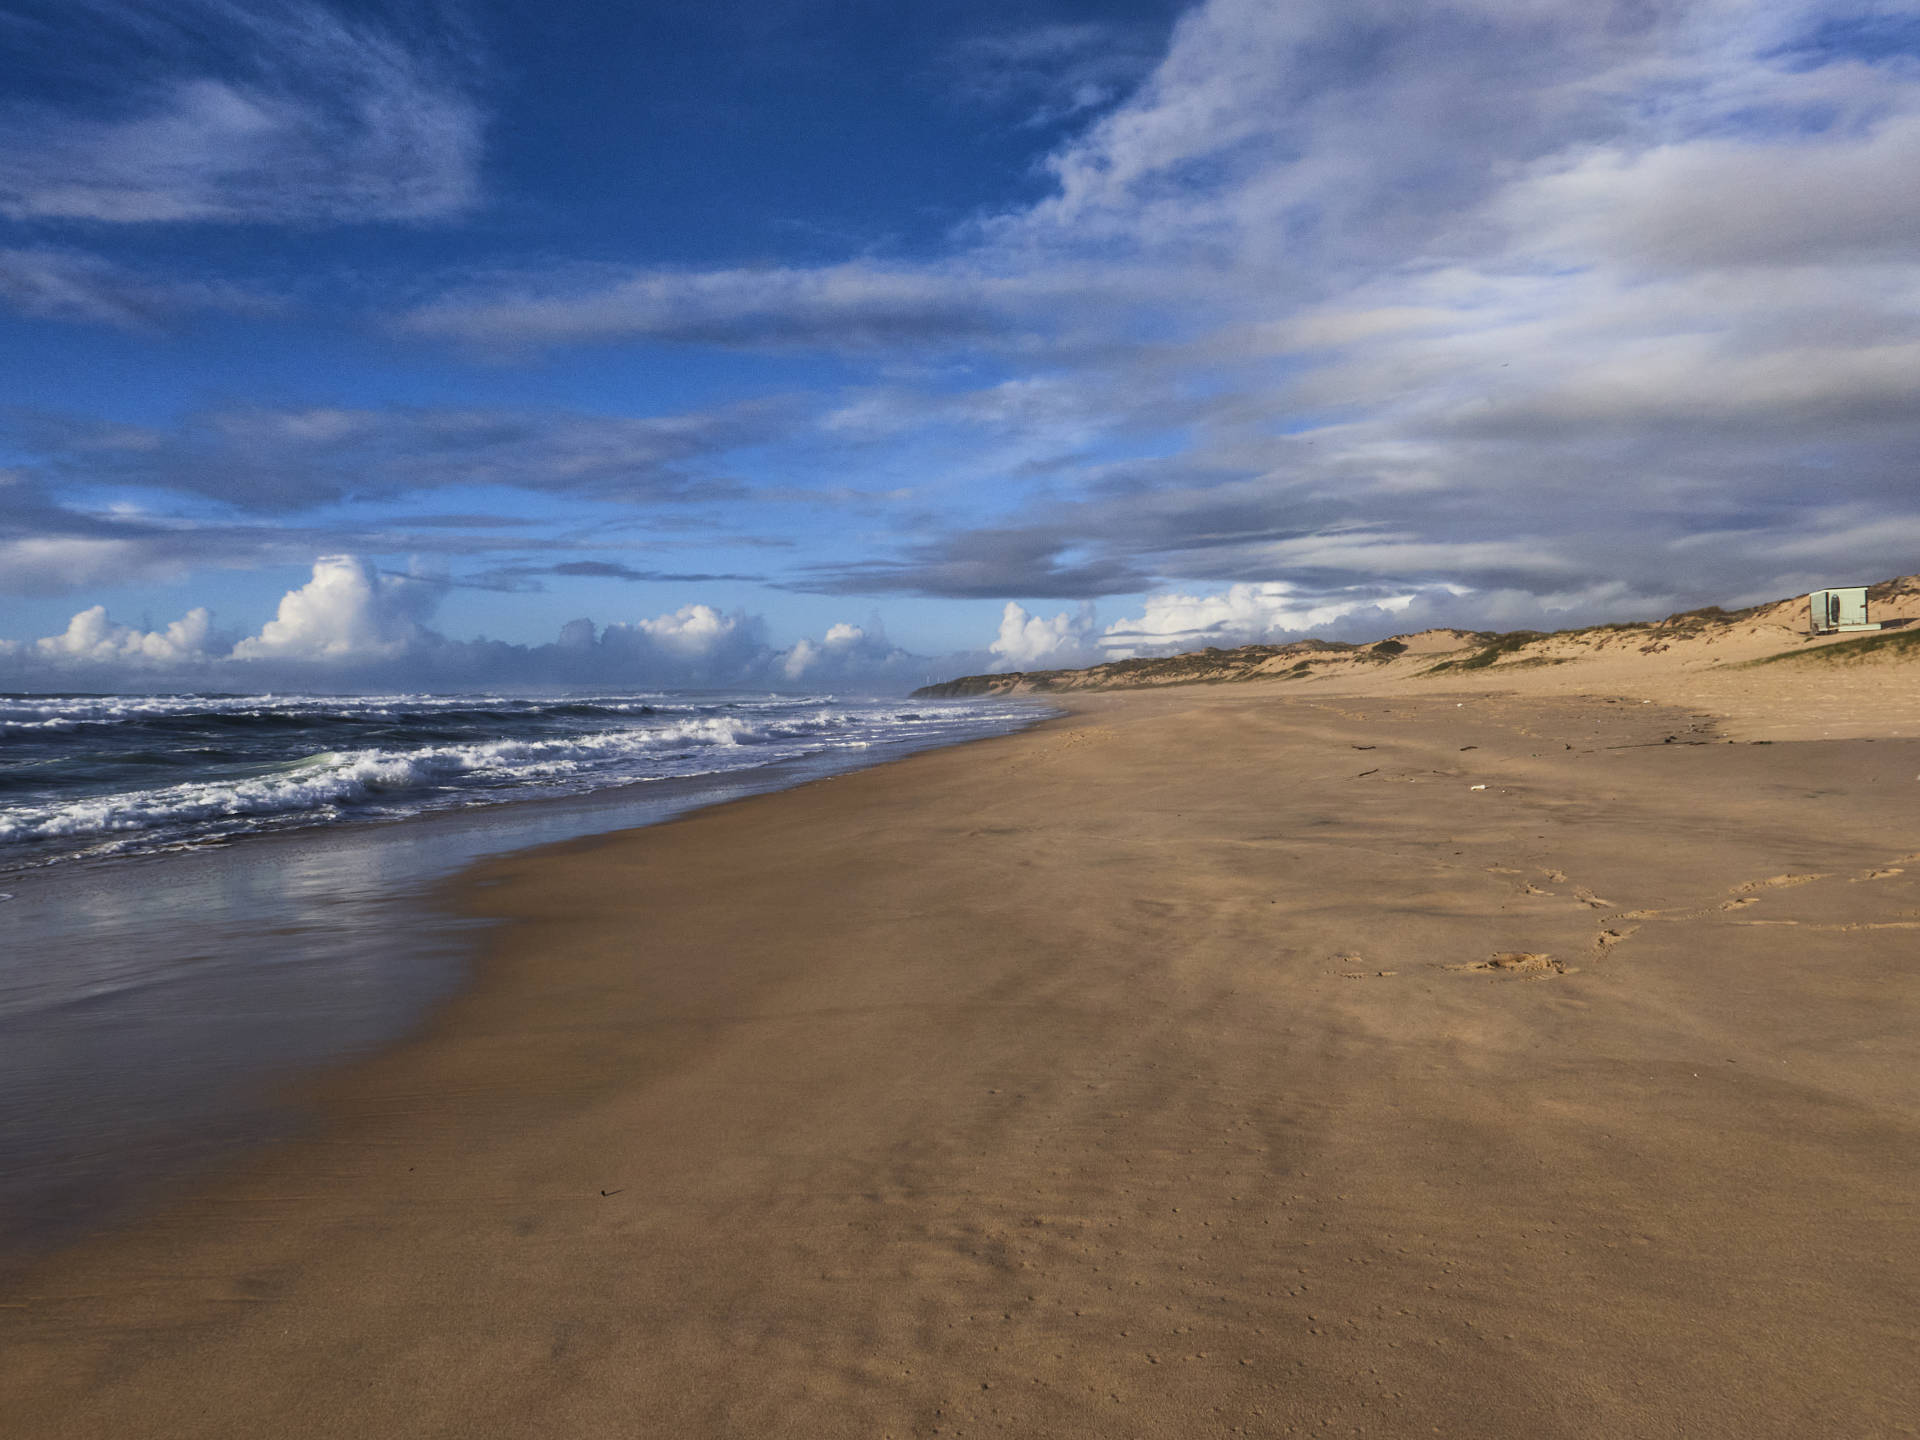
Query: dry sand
x: 1210, y: 1061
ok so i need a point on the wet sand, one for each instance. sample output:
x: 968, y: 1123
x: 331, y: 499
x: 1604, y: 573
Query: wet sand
x: 1208, y: 1061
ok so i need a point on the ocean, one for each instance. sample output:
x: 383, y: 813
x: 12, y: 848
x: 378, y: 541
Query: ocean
x: 89, y: 776
x: 204, y: 896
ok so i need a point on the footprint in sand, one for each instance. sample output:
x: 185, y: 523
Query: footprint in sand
x: 1776, y: 882
x: 1607, y: 939
x: 1743, y: 895
x: 1587, y: 897
x: 1886, y: 873
x: 1516, y: 962
x: 1559, y: 877
x: 1368, y: 974
x: 1360, y: 974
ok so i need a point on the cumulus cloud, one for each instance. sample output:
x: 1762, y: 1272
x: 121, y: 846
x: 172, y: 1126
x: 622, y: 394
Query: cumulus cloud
x: 808, y: 654
x: 692, y: 630
x: 92, y: 638
x: 859, y: 657
x: 353, y: 626
x: 1032, y: 642
x: 1239, y: 615
x: 348, y: 612
x: 212, y: 110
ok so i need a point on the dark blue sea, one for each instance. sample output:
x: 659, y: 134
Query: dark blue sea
x: 103, y: 775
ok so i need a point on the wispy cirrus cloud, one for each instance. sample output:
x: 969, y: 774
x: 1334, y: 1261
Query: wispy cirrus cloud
x: 1048, y: 74
x: 982, y: 564
x: 48, y: 549
x: 1607, y: 307
x: 856, y: 305
x: 49, y: 283
x: 527, y: 576
x: 214, y: 110
x: 269, y: 461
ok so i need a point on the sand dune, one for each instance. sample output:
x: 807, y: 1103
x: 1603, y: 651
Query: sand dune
x: 1758, y: 670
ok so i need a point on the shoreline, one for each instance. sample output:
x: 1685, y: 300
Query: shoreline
x: 1152, y: 1067
x: 168, y: 997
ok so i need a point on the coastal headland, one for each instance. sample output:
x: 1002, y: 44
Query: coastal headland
x: 1240, y: 1059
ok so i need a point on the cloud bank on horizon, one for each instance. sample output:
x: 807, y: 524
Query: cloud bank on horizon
x: 352, y: 626
x: 1108, y: 329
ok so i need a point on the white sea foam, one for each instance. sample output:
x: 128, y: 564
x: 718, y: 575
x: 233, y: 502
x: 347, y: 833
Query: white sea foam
x: 547, y: 745
x: 340, y: 778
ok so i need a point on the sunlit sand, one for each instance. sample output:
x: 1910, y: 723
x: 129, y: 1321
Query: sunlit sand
x: 1213, y: 1059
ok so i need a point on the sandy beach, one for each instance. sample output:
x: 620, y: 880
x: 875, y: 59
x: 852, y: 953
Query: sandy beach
x: 1218, y: 1060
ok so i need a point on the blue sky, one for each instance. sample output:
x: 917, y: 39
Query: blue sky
x: 842, y: 344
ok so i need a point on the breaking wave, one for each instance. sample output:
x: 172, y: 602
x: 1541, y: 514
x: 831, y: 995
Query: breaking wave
x: 108, y: 774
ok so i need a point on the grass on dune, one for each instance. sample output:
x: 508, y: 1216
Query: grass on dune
x: 1887, y: 645
x: 1481, y: 659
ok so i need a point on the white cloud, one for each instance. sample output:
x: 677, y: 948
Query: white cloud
x: 1239, y: 615
x: 348, y: 613
x: 1554, y: 305
x: 692, y: 631
x: 1711, y: 201
x: 353, y: 625
x: 233, y: 112
x: 839, y: 642
x: 855, y: 657
x: 1362, y: 293
x: 1033, y: 642
x: 1275, y: 613
x: 853, y: 304
x: 91, y: 638
x: 804, y: 654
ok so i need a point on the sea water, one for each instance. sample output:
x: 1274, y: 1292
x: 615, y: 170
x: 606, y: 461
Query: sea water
x: 100, y: 775
x: 207, y: 894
